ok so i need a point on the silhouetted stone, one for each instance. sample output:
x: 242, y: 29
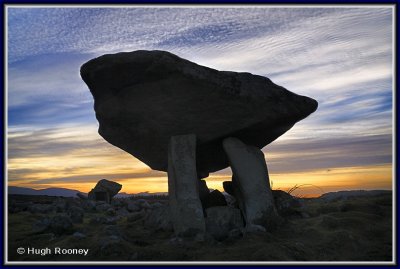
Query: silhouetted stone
x: 203, y: 191
x: 221, y: 220
x: 286, y: 204
x: 104, y: 190
x: 143, y: 98
x: 251, y: 177
x: 228, y: 187
x: 186, y: 210
x: 174, y: 115
x: 214, y: 198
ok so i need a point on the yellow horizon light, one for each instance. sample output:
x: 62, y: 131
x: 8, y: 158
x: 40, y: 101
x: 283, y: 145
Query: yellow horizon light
x: 312, y: 183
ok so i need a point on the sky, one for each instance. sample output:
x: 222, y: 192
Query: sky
x: 341, y: 56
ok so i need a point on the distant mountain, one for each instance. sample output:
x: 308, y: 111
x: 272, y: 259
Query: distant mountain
x: 123, y: 195
x: 68, y: 192
x: 146, y: 193
x: 49, y: 191
x: 343, y: 195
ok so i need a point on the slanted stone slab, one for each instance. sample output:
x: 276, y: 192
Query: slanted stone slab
x: 183, y: 187
x: 252, y: 182
x: 104, y: 190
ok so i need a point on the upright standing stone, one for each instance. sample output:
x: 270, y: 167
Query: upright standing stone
x: 183, y: 188
x: 251, y: 179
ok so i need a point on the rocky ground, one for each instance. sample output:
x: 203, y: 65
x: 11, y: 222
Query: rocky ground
x: 337, y: 228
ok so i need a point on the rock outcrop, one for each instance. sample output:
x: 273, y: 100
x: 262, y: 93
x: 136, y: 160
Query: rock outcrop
x: 143, y: 98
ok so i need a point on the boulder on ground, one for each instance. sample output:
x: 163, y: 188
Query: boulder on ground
x: 104, y: 190
x: 286, y: 204
x: 221, y: 220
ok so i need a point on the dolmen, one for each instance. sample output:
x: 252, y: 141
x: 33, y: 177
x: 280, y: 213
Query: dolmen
x: 190, y: 120
x: 104, y: 190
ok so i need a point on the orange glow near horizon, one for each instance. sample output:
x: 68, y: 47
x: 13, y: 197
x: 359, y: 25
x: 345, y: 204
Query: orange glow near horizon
x: 312, y: 183
x: 91, y: 159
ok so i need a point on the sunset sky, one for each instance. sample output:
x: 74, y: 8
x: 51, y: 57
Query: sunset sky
x: 342, y: 57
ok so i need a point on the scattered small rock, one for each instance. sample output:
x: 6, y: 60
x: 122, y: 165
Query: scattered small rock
x: 133, y: 206
x: 116, y: 202
x: 61, y: 224
x: 89, y: 205
x: 60, y: 205
x: 235, y: 233
x: 122, y: 212
x: 82, y: 196
x: 111, y: 212
x: 159, y: 219
x: 157, y: 205
x: 41, y: 225
x: 134, y: 257
x: 254, y: 228
x: 102, y: 207
x: 221, y: 220
x: 111, y: 220
x: 79, y: 235
x: 76, y: 214
x: 145, y: 205
x: 98, y: 220
x: 112, y: 230
x: 136, y: 216
x: 112, y: 246
x: 41, y: 208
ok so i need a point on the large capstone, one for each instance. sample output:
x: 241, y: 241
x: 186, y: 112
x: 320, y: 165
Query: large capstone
x: 143, y: 98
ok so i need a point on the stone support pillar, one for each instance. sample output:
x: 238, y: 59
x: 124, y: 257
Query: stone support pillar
x: 251, y: 183
x: 183, y: 189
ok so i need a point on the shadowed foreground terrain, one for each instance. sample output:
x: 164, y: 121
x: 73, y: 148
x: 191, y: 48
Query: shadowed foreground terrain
x: 319, y: 229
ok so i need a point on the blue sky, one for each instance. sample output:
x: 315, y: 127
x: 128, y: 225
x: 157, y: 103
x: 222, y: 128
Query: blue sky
x: 341, y: 57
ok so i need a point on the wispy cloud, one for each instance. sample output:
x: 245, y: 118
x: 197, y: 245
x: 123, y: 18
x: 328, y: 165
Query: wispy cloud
x: 342, y: 57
